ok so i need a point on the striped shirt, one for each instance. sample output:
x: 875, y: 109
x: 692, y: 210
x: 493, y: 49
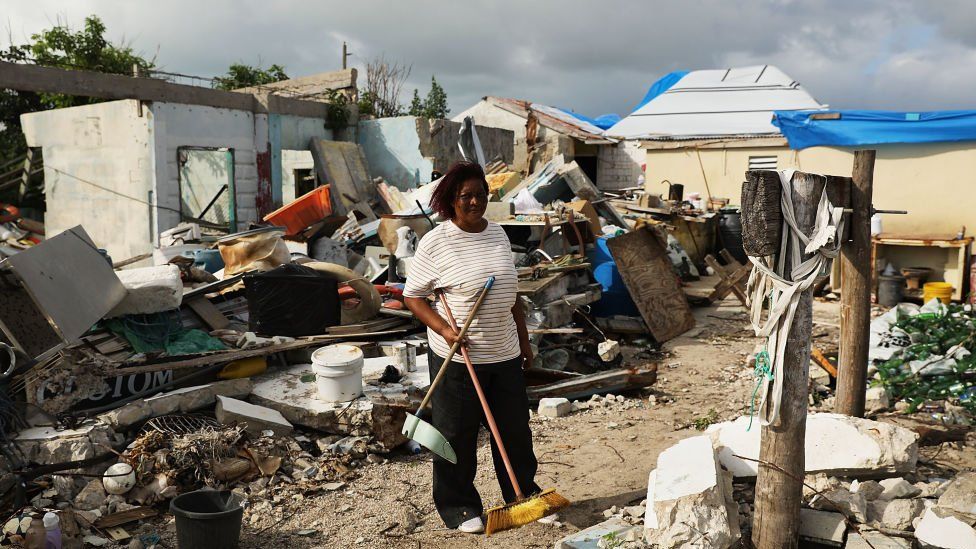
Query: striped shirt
x: 459, y: 263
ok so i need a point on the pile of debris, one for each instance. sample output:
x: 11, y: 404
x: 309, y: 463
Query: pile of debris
x: 923, y: 357
x: 195, y: 366
x: 864, y: 487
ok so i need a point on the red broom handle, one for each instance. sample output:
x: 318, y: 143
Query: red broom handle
x: 484, y: 404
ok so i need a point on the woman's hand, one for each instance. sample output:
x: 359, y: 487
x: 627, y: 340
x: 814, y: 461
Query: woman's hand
x: 450, y: 336
x: 526, y: 357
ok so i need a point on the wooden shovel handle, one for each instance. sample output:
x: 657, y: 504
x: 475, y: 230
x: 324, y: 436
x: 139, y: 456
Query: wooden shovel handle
x: 457, y: 344
x: 484, y: 405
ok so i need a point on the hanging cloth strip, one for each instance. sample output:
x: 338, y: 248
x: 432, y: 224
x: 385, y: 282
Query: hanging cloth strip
x: 768, y: 279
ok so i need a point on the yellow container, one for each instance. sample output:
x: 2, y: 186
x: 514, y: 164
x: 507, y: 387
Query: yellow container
x: 941, y: 290
x: 246, y: 367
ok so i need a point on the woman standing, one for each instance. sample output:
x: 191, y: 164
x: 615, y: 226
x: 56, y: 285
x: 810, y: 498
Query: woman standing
x: 456, y: 258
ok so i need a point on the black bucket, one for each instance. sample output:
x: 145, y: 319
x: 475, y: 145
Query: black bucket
x: 730, y: 231
x: 207, y: 519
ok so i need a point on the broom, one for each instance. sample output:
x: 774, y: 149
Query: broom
x: 524, y: 509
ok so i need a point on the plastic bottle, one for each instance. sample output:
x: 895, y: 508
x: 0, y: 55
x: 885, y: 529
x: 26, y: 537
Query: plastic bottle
x: 52, y: 528
x: 35, y: 538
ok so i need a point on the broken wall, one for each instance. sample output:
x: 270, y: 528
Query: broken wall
x: 176, y: 126
x: 405, y: 150
x: 619, y: 165
x: 105, y: 144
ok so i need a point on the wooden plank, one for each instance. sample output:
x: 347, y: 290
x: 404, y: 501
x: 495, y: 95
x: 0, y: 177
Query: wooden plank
x: 855, y: 304
x: 221, y: 357
x: 125, y: 517
x: 821, y: 360
x: 622, y: 379
x: 208, y: 313
x: 343, y: 166
x: 642, y: 260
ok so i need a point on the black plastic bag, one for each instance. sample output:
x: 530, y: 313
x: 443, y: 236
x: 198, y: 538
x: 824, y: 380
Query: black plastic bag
x: 292, y: 300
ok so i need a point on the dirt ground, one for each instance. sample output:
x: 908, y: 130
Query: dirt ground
x: 598, y: 457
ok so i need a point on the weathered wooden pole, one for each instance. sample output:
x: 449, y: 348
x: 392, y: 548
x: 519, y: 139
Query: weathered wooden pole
x: 776, y: 524
x: 855, y: 300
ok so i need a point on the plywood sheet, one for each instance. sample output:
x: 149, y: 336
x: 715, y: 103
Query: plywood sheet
x: 343, y: 165
x: 642, y: 260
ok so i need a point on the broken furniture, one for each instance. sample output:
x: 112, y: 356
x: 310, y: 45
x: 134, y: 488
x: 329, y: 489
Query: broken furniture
x: 947, y: 256
x: 732, y: 275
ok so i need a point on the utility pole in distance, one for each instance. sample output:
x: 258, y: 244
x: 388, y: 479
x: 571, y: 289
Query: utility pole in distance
x: 345, y: 54
x: 855, y: 304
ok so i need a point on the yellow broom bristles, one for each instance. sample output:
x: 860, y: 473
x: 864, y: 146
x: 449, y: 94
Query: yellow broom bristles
x: 524, y: 512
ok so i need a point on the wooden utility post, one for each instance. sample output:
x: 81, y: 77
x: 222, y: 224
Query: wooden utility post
x: 855, y: 300
x: 345, y: 55
x: 776, y: 524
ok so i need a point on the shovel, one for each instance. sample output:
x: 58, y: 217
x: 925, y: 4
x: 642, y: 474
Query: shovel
x: 424, y: 433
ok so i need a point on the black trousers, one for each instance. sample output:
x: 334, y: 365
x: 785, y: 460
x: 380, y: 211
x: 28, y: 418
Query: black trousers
x: 457, y: 414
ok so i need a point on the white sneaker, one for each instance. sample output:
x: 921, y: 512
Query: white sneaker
x: 472, y: 526
x: 549, y: 519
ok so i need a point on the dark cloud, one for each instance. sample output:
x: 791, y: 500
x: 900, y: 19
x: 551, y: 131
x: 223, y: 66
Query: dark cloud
x: 594, y: 57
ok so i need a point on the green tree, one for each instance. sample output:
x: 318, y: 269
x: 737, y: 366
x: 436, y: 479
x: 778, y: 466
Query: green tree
x: 60, y: 46
x: 240, y: 75
x: 417, y: 106
x: 435, y: 105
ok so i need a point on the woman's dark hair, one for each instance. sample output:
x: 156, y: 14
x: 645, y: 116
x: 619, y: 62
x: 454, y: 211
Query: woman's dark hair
x: 442, y: 201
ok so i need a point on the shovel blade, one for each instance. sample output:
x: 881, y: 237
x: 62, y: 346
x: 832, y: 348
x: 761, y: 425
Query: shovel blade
x: 426, y: 435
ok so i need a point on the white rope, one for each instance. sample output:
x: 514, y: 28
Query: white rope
x: 784, y: 295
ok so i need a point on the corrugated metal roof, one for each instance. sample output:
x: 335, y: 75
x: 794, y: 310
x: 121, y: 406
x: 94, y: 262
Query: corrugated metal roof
x: 717, y: 103
x: 552, y: 118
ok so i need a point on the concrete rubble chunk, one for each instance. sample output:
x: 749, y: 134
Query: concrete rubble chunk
x: 940, y: 528
x: 92, y: 496
x: 822, y: 527
x: 896, y: 514
x: 127, y: 416
x: 149, y: 290
x: 871, y: 489
x: 555, y: 407
x: 931, y: 489
x: 590, y: 537
x: 819, y: 482
x: 896, y: 488
x: 868, y: 539
x: 960, y: 494
x: 689, y: 499
x: 876, y: 399
x: 835, y: 444
x: 379, y: 413
x: 257, y: 418
x: 853, y: 505
x: 48, y: 445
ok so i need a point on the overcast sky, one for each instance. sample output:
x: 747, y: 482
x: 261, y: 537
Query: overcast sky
x: 591, y: 56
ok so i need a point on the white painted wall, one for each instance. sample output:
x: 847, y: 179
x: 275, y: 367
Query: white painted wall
x: 108, y: 145
x: 292, y: 160
x: 177, y: 125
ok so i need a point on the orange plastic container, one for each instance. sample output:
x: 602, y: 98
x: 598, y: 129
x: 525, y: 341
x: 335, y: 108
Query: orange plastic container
x: 308, y: 209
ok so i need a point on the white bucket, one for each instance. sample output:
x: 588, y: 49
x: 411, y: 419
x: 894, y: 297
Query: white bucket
x: 338, y: 372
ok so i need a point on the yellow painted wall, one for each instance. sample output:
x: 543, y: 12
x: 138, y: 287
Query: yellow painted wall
x: 936, y: 183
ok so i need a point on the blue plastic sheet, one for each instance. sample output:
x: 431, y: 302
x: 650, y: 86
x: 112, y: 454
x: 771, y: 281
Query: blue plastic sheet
x: 662, y: 85
x: 604, y: 121
x: 874, y: 127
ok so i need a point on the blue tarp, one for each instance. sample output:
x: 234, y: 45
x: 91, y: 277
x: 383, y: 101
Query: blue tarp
x: 874, y: 127
x: 604, y: 121
x: 662, y: 85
